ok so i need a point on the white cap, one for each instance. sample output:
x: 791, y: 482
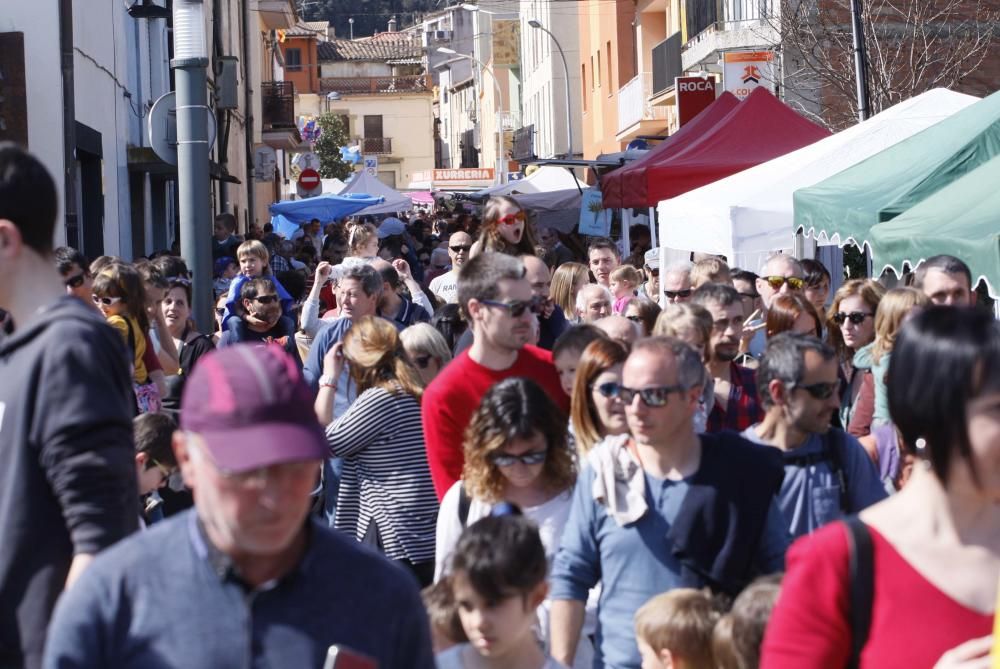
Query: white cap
x: 652, y: 258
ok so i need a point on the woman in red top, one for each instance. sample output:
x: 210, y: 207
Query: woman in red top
x: 936, y: 544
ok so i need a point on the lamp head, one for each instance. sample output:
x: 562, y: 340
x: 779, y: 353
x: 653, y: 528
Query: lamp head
x: 147, y: 9
x: 469, y: 7
x: 444, y: 49
x: 334, y: 95
x: 535, y: 23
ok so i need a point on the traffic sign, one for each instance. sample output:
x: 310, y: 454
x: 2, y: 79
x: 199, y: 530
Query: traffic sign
x: 371, y: 166
x: 309, y: 179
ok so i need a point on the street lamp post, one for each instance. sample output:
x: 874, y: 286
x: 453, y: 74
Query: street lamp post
x: 499, y: 123
x: 189, y: 64
x: 860, y: 61
x: 534, y: 23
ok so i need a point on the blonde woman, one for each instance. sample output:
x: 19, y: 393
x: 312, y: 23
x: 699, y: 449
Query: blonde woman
x: 386, y: 498
x: 427, y: 350
x: 567, y: 281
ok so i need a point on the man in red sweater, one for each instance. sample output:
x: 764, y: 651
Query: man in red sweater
x: 497, y: 301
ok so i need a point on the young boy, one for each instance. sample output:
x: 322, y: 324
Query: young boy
x: 154, y: 458
x: 674, y: 630
x: 226, y: 270
x: 254, y: 262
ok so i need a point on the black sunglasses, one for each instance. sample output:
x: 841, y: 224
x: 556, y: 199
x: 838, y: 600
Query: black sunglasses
x: 530, y: 458
x: 76, y: 281
x: 856, y: 317
x: 674, y: 294
x: 460, y: 249
x: 422, y: 361
x: 821, y: 391
x: 651, y: 397
x: 220, y: 312
x: 266, y: 299
x: 517, y: 307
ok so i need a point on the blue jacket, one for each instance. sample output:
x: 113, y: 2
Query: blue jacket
x: 163, y: 598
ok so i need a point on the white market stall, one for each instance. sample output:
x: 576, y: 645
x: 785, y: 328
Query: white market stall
x: 394, y: 201
x: 748, y: 215
x: 546, y: 179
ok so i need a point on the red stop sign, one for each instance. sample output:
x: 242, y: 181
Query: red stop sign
x: 309, y: 178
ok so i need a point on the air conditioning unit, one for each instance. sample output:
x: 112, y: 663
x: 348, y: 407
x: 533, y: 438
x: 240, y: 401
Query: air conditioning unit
x: 442, y: 35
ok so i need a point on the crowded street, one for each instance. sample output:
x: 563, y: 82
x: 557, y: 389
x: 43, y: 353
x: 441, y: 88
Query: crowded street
x: 386, y: 338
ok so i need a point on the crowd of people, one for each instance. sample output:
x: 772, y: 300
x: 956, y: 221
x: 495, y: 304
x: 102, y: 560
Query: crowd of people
x: 460, y: 440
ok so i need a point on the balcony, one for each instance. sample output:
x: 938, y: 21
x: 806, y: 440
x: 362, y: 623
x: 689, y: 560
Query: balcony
x: 524, y: 143
x: 418, y: 83
x: 381, y: 146
x: 277, y: 104
x: 510, y: 120
x: 666, y: 64
x: 727, y: 25
x: 275, y: 14
x: 636, y: 116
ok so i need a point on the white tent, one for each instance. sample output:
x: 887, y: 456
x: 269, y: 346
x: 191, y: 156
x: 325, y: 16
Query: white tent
x: 545, y: 179
x: 748, y: 215
x: 555, y: 209
x: 364, y: 183
x: 332, y: 186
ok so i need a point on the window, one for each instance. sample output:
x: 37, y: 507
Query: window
x: 293, y: 60
x: 597, y: 71
x: 583, y: 86
x: 611, y: 83
x: 591, y: 73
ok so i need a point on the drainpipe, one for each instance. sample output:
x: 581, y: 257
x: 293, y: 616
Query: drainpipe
x: 248, y: 115
x: 73, y: 233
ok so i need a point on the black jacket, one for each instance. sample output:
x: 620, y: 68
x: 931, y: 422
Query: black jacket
x: 67, y: 462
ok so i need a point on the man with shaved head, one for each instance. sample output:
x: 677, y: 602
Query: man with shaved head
x: 445, y: 287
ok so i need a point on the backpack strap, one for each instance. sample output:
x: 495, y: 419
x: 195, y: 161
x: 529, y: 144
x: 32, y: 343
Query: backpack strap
x: 831, y: 446
x: 464, y: 502
x: 861, y: 586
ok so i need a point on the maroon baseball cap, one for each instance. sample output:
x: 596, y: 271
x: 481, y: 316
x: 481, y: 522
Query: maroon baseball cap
x: 253, y: 409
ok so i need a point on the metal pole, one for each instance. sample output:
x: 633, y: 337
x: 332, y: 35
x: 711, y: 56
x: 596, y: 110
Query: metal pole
x: 569, y: 116
x: 860, y: 61
x: 193, y: 181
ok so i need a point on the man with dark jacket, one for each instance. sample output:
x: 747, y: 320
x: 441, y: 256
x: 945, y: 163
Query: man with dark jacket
x: 67, y: 464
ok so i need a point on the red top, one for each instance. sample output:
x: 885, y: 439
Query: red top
x: 454, y: 395
x: 913, y: 622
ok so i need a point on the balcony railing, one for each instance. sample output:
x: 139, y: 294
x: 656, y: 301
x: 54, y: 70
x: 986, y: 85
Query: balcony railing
x: 524, y: 143
x: 510, y: 120
x: 666, y: 63
x: 277, y: 104
x: 633, y: 102
x: 720, y: 15
x: 374, y: 145
x: 417, y: 83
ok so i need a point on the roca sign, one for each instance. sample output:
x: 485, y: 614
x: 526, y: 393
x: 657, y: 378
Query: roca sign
x: 693, y: 95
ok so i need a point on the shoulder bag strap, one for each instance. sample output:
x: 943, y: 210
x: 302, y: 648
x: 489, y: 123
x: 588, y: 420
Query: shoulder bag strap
x: 464, y: 502
x: 861, y: 586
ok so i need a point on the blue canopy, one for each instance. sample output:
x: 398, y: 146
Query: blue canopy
x: 324, y: 207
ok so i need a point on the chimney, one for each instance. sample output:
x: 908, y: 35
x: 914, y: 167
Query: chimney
x: 392, y: 24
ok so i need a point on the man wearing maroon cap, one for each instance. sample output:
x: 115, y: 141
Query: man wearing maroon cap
x: 246, y: 578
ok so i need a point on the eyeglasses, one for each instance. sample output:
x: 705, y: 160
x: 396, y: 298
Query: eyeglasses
x: 651, y: 397
x: 511, y: 219
x: 164, y: 470
x: 422, y: 361
x: 776, y: 282
x: 76, y: 281
x: 820, y: 391
x: 674, y: 294
x: 856, y: 317
x: 530, y: 458
x: 106, y: 301
x: 266, y: 299
x: 461, y: 248
x: 517, y: 307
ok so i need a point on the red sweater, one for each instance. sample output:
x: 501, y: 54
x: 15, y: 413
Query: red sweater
x: 454, y: 395
x: 913, y: 622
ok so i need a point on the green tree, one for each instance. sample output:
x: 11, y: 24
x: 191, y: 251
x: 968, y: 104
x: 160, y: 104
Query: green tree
x: 327, y: 147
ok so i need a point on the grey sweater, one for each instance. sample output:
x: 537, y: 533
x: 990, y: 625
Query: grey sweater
x: 165, y: 598
x: 67, y: 472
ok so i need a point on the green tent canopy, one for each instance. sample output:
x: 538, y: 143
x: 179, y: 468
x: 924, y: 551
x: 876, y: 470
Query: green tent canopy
x: 844, y: 207
x: 962, y: 219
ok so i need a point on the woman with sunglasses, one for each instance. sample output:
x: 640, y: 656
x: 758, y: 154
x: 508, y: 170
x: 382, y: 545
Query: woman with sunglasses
x: 427, y: 350
x: 190, y: 343
x: 516, y: 452
x: 596, y: 410
x: 933, y: 556
x: 505, y: 229
x: 852, y: 333
x: 386, y: 498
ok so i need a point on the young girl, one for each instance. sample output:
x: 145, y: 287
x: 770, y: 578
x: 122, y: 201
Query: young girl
x: 624, y: 281
x: 498, y: 580
x: 505, y: 229
x: 121, y: 297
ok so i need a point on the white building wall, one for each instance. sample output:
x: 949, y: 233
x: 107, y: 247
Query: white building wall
x: 544, y: 75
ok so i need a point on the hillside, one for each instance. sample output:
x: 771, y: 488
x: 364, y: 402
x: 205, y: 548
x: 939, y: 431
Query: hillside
x: 370, y: 16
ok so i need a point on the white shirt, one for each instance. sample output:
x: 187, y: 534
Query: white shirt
x: 445, y: 286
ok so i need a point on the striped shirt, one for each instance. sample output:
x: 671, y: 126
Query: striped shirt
x: 386, y: 478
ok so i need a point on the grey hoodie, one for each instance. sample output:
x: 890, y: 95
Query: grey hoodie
x: 67, y: 472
